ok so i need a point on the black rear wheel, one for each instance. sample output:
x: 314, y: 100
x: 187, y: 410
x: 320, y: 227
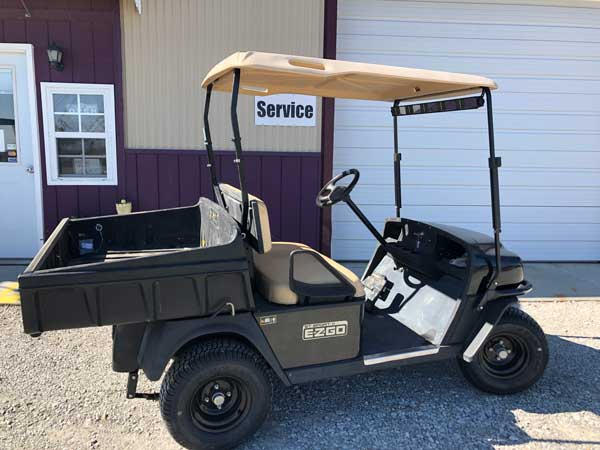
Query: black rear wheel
x: 513, y: 357
x: 215, y: 395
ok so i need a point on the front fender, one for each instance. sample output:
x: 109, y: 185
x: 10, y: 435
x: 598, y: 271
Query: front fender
x: 163, y: 339
x: 492, y: 314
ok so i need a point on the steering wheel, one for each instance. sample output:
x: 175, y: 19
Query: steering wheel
x: 331, y: 193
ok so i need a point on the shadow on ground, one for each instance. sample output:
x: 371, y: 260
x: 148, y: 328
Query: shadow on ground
x: 433, y: 406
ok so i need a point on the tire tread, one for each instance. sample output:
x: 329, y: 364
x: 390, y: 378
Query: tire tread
x: 512, y: 316
x: 189, y: 360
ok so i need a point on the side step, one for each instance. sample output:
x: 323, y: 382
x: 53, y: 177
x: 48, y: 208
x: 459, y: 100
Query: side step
x: 380, y: 358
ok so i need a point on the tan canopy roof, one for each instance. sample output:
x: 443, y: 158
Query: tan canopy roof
x: 272, y: 73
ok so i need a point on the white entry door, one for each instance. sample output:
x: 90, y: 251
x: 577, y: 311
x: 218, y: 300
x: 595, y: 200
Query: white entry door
x: 20, y: 202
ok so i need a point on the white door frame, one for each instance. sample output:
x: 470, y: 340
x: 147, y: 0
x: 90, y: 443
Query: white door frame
x: 27, y: 51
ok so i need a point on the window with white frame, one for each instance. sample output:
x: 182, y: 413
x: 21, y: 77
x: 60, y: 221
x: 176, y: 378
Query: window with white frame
x: 79, y: 127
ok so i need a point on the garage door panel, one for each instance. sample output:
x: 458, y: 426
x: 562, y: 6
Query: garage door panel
x: 459, y: 195
x: 363, y: 160
x: 497, y: 65
x: 474, y: 214
x: 479, y: 177
x: 575, y: 99
x: 555, y: 250
x: 447, y: 29
x: 474, y: 46
x: 546, y: 61
x: 468, y: 12
x: 510, y: 231
x: 475, y: 120
x: 368, y: 138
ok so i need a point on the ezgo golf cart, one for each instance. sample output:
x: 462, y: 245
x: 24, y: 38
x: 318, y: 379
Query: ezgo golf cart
x: 205, y: 286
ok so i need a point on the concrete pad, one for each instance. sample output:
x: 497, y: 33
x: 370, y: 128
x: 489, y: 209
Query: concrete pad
x: 564, y: 280
x: 551, y: 281
x: 10, y: 272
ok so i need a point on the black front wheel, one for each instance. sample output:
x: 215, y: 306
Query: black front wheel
x: 215, y: 395
x: 513, y: 357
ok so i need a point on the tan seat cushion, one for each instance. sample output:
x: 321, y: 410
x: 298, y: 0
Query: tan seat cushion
x: 272, y: 273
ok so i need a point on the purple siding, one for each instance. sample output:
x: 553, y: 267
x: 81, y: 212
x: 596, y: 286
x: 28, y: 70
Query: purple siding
x: 89, y: 33
x: 287, y: 182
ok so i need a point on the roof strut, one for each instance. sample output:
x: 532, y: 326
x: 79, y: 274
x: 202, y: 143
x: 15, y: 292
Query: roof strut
x: 209, y: 150
x: 397, y: 159
x: 237, y: 141
x: 494, y: 162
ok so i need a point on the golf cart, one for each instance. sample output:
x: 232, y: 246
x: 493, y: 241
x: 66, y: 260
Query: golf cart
x: 206, y: 287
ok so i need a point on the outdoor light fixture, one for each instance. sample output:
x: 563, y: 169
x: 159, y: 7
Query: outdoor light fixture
x: 55, y: 56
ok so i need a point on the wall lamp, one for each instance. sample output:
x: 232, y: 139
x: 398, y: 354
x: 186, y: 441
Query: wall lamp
x: 55, y: 56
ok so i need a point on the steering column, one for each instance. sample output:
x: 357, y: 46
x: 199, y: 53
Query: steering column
x: 333, y: 193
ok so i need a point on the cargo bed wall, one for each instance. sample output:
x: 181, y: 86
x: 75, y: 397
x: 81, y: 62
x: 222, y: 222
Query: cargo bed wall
x: 159, y: 298
x: 83, y: 241
x: 167, y: 284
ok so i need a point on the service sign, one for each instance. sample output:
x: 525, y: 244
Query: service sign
x: 290, y: 110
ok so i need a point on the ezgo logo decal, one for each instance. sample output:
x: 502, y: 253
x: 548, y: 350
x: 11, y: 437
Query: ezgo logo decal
x: 324, y: 330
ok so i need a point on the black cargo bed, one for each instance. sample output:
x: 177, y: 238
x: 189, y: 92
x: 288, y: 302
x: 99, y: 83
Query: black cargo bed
x: 156, y: 265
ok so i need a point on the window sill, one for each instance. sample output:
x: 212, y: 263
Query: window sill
x: 74, y: 181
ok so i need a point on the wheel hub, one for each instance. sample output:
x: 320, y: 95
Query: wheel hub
x: 504, y: 356
x: 499, y: 350
x: 220, y: 404
x: 218, y: 399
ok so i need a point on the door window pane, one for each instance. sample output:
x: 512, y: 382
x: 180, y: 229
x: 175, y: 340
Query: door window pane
x: 8, y: 136
x: 92, y: 124
x: 65, y: 103
x: 68, y: 146
x: 66, y: 123
x: 91, y: 104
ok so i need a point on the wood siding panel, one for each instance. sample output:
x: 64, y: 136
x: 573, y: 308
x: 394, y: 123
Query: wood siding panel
x: 168, y: 179
x: 148, y: 182
x: 190, y: 181
x: 291, y: 193
x: 83, y: 59
x: 89, y: 200
x: 170, y: 47
x: 271, y: 184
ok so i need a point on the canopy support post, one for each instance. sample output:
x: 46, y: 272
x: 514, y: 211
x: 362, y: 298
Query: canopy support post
x: 237, y: 141
x: 209, y: 149
x: 397, y: 159
x: 494, y: 163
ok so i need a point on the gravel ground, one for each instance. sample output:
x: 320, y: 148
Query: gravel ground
x: 59, y: 392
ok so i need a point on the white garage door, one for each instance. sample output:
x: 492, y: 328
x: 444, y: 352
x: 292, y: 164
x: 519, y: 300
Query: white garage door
x: 546, y: 61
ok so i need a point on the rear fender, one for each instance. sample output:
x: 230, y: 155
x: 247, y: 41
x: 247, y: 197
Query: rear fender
x: 162, y: 340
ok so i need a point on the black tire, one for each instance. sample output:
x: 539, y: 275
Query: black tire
x: 242, y: 383
x: 524, y: 359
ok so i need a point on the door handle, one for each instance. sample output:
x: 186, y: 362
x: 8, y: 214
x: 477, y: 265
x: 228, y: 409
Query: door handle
x: 29, y: 169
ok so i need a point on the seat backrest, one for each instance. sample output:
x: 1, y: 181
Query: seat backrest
x: 258, y: 219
